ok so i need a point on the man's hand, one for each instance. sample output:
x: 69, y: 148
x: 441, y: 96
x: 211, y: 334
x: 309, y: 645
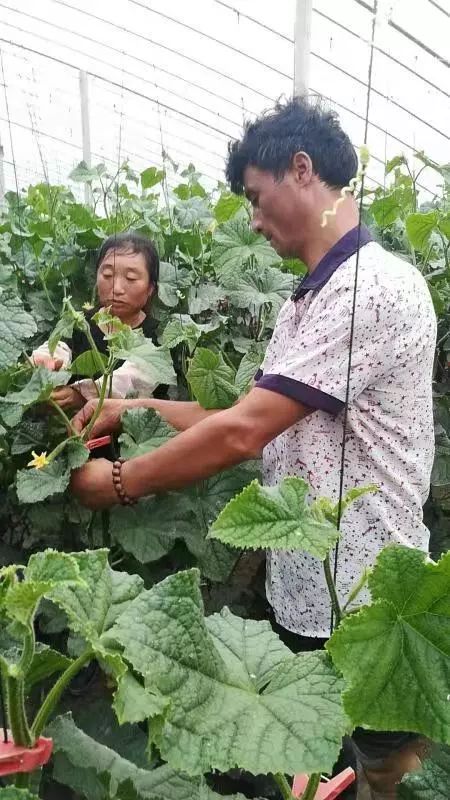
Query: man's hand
x: 67, y: 397
x: 93, y: 485
x: 108, y: 420
x: 41, y: 360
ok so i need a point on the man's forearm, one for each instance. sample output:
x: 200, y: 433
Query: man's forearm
x: 180, y: 414
x: 197, y: 453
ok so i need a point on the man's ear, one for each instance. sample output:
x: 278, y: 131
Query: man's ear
x: 302, y: 168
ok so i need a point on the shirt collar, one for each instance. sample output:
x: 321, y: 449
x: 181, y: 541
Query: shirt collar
x: 340, y: 252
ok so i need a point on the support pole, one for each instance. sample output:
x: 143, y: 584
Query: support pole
x: 85, y: 130
x: 302, y: 46
x: 2, y: 174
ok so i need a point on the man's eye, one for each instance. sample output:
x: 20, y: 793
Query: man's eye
x: 107, y: 275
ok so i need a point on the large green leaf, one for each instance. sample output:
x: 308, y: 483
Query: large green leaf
x: 249, y: 365
x: 149, y: 529
x: 235, y: 245
x: 419, y: 228
x: 37, y: 390
x: 93, y: 608
x: 432, y: 782
x: 203, y: 297
x: 83, y: 753
x: 255, y: 288
x: 37, y: 484
x: 395, y: 654
x: 228, y: 205
x: 30, y: 436
x: 155, y: 362
x: 151, y: 177
x: 211, y: 379
x: 192, y: 211
x: 45, y: 571
x: 16, y: 326
x: 277, y: 518
x: 84, y: 174
x: 172, y: 280
x: 221, y: 716
x: 182, y: 328
x: 143, y: 430
x: 89, y: 363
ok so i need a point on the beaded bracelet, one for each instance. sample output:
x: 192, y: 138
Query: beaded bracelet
x: 117, y: 483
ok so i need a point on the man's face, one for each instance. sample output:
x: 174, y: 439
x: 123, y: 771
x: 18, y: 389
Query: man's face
x: 277, y: 208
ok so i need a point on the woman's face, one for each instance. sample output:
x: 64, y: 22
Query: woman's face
x: 123, y: 283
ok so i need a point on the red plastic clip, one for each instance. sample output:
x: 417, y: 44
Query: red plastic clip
x: 15, y: 758
x: 93, y: 444
x: 327, y: 790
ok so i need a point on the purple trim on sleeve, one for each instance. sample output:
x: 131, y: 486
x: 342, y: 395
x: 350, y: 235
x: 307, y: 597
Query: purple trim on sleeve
x: 258, y: 374
x: 296, y: 390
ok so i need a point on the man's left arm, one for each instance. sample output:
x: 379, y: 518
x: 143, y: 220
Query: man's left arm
x: 220, y: 441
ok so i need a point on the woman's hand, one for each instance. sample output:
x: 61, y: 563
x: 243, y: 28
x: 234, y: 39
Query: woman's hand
x: 41, y: 360
x: 68, y: 397
x: 109, y: 419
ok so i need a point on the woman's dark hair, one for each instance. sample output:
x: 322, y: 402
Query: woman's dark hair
x: 131, y: 242
x: 301, y: 124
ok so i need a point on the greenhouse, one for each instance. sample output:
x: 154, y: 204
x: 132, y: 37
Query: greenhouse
x: 224, y: 400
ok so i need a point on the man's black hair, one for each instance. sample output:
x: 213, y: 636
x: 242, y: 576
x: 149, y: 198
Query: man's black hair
x: 131, y: 242
x: 301, y: 124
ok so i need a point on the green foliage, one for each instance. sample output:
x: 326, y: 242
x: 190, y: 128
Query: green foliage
x: 211, y: 379
x: 406, y: 634
x: 220, y: 713
x: 276, y: 518
x: 85, y: 754
x: 143, y: 430
x: 16, y: 327
x: 432, y: 782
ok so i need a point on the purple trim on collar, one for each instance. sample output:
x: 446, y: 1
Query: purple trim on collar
x: 296, y: 390
x: 340, y: 252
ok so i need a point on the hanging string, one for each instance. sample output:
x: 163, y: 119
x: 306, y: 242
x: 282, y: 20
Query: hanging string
x: 353, y: 314
x: 8, y: 117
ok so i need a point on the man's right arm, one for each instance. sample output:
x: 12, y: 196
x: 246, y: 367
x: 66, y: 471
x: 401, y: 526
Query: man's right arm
x: 180, y: 414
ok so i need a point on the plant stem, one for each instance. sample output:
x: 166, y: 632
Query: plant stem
x: 332, y: 590
x: 22, y: 780
x: 311, y: 789
x: 16, y: 712
x: 97, y: 411
x: 283, y: 786
x: 63, y: 416
x: 56, y: 691
x: 29, y: 644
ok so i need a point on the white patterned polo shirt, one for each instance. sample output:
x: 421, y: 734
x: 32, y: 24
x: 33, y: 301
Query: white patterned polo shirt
x: 389, y: 437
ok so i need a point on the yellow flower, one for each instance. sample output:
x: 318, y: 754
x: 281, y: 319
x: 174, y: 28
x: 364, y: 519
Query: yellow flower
x: 38, y: 461
x: 88, y: 306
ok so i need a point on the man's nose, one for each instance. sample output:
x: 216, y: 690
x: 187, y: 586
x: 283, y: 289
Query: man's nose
x: 256, y: 224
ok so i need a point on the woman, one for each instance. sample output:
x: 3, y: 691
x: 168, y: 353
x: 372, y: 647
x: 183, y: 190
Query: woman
x: 127, y: 279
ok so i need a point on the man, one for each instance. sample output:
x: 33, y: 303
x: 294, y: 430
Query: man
x: 292, y: 164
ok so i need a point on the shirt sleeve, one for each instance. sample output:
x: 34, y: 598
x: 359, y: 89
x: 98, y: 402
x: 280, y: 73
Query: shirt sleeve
x: 314, y: 369
x: 126, y: 380
x: 62, y: 351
